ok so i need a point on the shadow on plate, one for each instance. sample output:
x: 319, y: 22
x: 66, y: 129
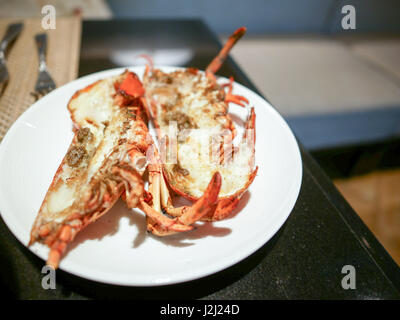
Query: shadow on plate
x: 109, y: 225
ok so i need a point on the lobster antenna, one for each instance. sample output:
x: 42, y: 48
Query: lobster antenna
x: 218, y: 61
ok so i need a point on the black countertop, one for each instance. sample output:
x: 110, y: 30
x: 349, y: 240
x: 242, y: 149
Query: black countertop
x: 303, y: 260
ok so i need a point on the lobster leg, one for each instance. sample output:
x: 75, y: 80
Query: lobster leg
x: 60, y: 245
x: 226, y: 205
x: 234, y: 98
x: 154, y: 211
x: 160, y: 224
x: 204, y: 206
x: 184, y: 216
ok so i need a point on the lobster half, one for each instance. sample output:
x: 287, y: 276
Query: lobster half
x: 197, y: 107
x: 110, y: 151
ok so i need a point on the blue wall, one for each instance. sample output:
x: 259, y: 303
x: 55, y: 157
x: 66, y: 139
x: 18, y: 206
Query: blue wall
x: 268, y: 16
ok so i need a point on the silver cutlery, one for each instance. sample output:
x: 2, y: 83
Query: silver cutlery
x: 12, y: 32
x: 44, y: 83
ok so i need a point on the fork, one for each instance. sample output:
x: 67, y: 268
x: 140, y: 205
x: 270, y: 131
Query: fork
x: 44, y: 83
x: 12, y: 32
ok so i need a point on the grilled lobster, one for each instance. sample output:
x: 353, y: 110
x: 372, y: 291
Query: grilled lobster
x: 110, y: 151
x: 195, y: 105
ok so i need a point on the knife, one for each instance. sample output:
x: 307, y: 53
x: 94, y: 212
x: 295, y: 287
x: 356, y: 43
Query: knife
x: 12, y: 32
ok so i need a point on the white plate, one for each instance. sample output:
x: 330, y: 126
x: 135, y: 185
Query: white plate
x: 116, y: 249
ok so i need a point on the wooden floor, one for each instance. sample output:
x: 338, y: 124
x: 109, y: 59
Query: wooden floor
x: 376, y: 198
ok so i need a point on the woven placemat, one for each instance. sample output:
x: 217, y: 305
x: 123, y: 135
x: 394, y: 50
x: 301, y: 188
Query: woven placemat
x: 63, y: 44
